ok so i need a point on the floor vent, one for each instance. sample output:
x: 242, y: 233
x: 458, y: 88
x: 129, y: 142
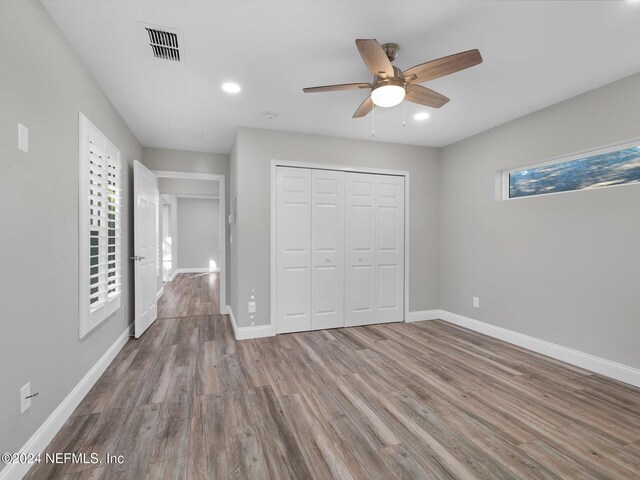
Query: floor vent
x: 164, y: 44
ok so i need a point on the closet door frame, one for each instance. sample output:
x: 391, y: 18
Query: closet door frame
x: 340, y: 168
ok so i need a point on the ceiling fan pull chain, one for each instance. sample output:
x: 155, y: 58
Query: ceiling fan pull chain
x: 373, y: 122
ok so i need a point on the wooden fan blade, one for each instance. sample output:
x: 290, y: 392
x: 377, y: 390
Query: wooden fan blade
x: 364, y: 108
x: 374, y: 58
x: 335, y: 88
x: 424, y: 96
x: 442, y: 66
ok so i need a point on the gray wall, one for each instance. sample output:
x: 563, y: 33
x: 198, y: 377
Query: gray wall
x: 193, y: 162
x: 198, y: 232
x: 563, y: 267
x: 250, y: 251
x: 43, y: 85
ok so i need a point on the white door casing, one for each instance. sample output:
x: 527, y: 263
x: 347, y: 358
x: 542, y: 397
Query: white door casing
x: 327, y: 249
x: 293, y: 250
x: 145, y: 194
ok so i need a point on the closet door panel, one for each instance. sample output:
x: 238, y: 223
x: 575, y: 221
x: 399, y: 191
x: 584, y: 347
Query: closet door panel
x: 360, y: 231
x: 293, y: 249
x: 327, y: 249
x: 389, y: 253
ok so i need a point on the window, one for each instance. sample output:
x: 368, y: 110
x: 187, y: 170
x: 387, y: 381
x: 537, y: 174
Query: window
x: 100, y: 230
x: 612, y: 166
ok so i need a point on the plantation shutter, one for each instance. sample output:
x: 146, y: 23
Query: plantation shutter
x: 105, y: 276
x: 101, y: 227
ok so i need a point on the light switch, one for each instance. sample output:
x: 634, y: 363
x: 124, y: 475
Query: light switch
x: 252, y: 307
x: 476, y: 302
x: 23, y: 138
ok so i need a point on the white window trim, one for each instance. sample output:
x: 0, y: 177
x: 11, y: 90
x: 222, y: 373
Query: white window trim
x: 612, y: 147
x: 90, y: 318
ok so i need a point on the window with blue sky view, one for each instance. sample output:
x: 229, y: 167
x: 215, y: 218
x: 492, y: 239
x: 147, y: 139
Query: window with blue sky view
x: 614, y: 168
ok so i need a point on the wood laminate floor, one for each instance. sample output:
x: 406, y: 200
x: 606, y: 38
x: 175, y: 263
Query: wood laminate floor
x: 414, y: 401
x: 190, y: 294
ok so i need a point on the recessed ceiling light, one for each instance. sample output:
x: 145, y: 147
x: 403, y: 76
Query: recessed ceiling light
x: 231, y: 87
x: 421, y: 116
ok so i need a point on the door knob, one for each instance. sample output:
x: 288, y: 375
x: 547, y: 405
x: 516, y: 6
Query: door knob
x: 138, y: 258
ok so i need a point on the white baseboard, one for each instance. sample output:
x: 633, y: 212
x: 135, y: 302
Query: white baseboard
x: 225, y: 309
x: 160, y: 292
x: 173, y: 275
x: 587, y: 361
x: 424, y: 315
x: 244, y: 333
x: 41, y: 438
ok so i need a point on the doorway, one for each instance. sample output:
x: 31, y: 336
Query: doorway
x: 166, y: 240
x: 192, y: 245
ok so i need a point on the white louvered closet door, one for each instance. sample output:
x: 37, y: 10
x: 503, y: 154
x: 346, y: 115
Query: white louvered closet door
x: 293, y: 249
x: 327, y: 249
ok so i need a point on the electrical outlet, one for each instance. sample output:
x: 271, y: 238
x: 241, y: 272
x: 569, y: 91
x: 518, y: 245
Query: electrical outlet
x: 476, y: 302
x: 25, y: 402
x: 252, y: 307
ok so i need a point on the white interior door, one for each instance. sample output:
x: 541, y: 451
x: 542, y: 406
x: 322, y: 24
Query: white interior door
x: 293, y: 249
x: 389, y: 258
x: 327, y: 249
x: 145, y: 194
x: 360, y: 233
x: 374, y: 249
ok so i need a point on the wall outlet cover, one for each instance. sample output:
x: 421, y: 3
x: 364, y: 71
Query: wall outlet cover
x: 23, y: 138
x: 476, y: 302
x: 252, y: 307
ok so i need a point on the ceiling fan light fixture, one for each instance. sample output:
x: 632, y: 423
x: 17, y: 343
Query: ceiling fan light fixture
x: 388, y: 95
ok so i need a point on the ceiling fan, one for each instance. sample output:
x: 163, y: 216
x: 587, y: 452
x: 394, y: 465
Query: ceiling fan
x: 391, y: 85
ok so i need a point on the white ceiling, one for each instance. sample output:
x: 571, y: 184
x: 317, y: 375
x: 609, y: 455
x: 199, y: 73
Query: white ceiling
x: 536, y: 53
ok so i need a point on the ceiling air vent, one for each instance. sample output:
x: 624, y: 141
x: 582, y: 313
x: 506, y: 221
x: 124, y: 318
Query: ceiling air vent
x: 164, y: 44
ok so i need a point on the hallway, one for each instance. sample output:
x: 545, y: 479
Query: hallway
x: 190, y: 294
